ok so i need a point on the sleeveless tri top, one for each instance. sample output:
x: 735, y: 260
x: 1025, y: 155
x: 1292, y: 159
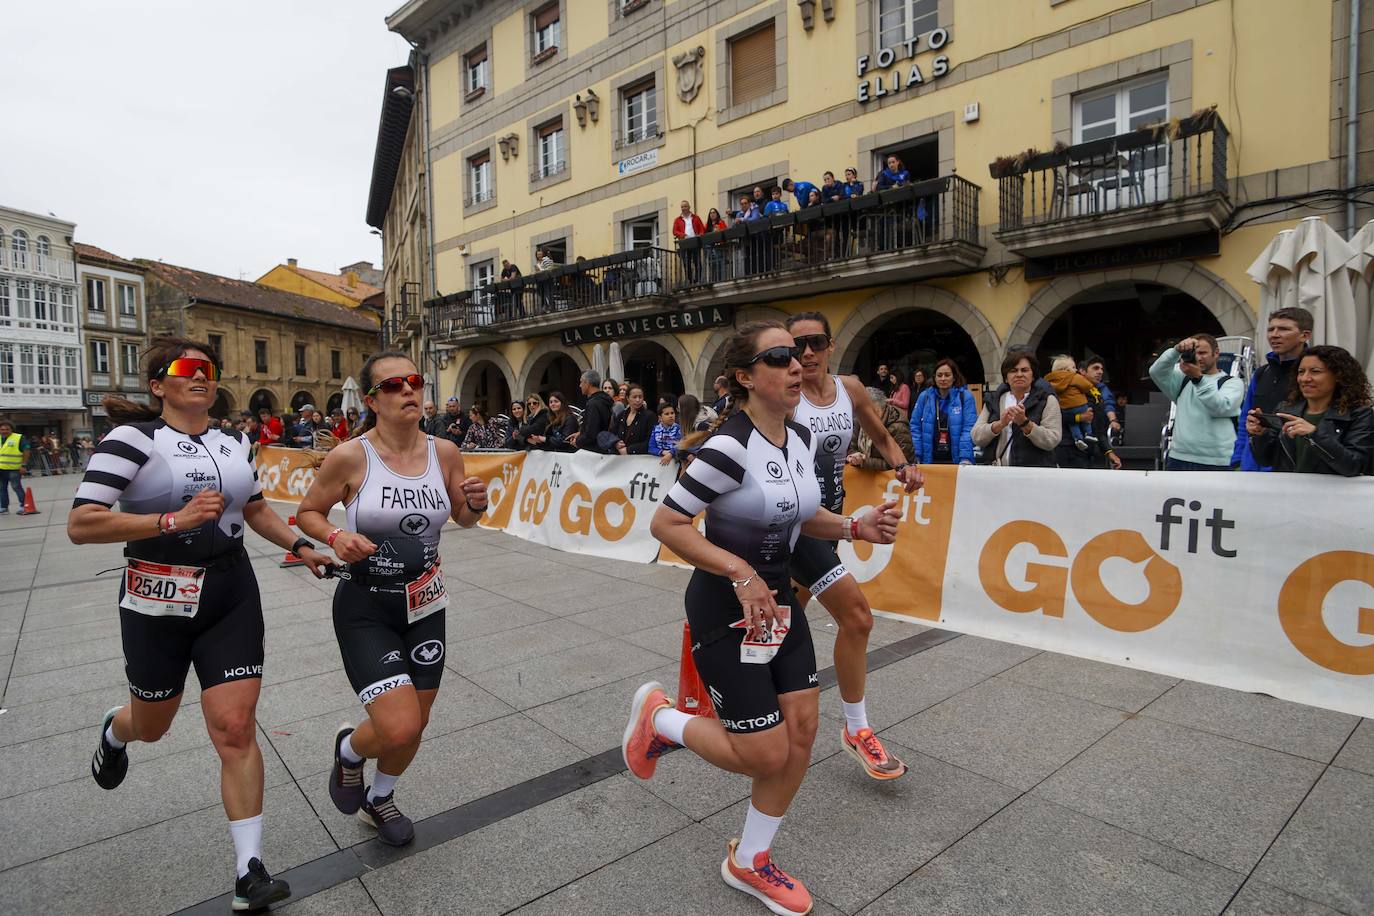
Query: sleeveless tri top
x: 403, y: 516
x: 832, y: 427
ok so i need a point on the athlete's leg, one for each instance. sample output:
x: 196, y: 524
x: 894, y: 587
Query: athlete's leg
x: 773, y: 793
x: 846, y: 603
x: 229, y: 718
x: 144, y: 720
x: 391, y: 732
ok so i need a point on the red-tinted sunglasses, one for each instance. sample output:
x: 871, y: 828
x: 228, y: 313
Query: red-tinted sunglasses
x: 395, y: 383
x: 187, y: 367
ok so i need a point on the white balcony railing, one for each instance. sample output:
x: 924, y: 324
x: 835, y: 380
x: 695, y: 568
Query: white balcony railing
x: 42, y: 265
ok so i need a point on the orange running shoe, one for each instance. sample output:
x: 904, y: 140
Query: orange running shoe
x: 775, y: 888
x: 642, y: 746
x: 869, y: 751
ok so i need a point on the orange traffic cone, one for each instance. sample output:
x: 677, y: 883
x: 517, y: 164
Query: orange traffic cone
x: 29, y: 507
x: 291, y: 559
x: 692, y: 697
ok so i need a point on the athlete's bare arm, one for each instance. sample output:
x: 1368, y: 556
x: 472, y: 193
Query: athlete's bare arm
x: 872, y: 424
x: 467, y: 495
x: 337, y: 481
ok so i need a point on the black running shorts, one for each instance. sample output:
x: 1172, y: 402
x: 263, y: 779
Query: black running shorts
x: 816, y: 565
x: 380, y: 650
x: 745, y: 695
x: 223, y: 640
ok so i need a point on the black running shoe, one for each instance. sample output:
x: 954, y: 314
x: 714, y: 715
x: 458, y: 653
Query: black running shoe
x: 393, y: 827
x: 109, y: 765
x: 258, y: 890
x: 345, y: 779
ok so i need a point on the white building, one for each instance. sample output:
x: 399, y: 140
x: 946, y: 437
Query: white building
x: 40, y: 342
x: 114, y: 329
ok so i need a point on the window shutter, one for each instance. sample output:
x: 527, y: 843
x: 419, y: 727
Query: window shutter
x: 551, y: 127
x: 547, y: 16
x: 752, y: 65
x: 481, y: 159
x: 477, y: 56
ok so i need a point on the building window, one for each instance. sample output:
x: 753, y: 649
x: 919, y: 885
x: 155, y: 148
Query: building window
x: 24, y: 302
x: 6, y: 315
x: 300, y: 359
x: 7, y: 368
x: 556, y: 249
x: 128, y: 363
x: 335, y: 364
x: 479, y: 179
x: 216, y: 342
x: 26, y: 366
x: 552, y: 159
x: 482, y: 274
x: 260, y: 356
x: 547, y: 32
x: 72, y: 369
x: 95, y: 295
x: 902, y: 21
x: 19, y: 243
x: 40, y: 304
x: 100, y: 357
x: 639, y: 103
x: 1121, y: 108
x: 641, y: 233
x: 753, y: 65
x: 475, y: 70
x: 69, y: 307
x: 128, y: 300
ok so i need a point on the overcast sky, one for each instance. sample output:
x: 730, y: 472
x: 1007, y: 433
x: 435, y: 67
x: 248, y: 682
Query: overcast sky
x: 226, y: 137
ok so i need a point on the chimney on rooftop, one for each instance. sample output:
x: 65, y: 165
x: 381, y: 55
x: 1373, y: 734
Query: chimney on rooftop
x: 290, y: 262
x: 351, y: 279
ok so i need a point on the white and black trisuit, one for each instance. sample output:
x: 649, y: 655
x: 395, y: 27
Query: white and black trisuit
x: 389, y: 616
x: 756, y: 495
x: 187, y: 597
x: 815, y: 563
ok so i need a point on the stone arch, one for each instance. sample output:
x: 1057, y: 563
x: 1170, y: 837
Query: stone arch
x: 542, y: 354
x: 226, y: 405
x: 669, y: 342
x: 264, y: 397
x: 465, y: 382
x: 301, y: 398
x: 711, y: 361
x: 860, y: 326
x: 1231, y: 310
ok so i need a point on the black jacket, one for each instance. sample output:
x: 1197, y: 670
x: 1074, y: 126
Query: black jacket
x: 1024, y: 453
x: 556, y: 437
x: 1343, y: 443
x: 596, y: 418
x: 635, y: 435
x: 533, y: 426
x: 1068, y: 455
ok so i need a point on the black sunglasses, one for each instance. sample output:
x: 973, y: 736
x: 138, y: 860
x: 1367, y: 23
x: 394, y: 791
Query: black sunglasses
x: 777, y: 357
x: 817, y: 342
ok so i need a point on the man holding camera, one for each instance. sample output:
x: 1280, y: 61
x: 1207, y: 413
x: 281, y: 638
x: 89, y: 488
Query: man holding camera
x: 1207, y: 404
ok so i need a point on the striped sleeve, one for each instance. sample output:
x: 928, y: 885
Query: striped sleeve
x: 113, y: 465
x: 253, y: 464
x: 717, y: 469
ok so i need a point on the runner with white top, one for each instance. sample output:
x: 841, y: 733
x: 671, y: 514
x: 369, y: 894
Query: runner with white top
x: 398, y: 487
x: 752, y: 646
x: 829, y: 407
x: 185, y: 489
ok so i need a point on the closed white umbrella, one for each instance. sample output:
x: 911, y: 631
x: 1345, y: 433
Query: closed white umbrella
x: 1362, y: 268
x: 1278, y: 285
x: 617, y: 367
x: 1324, y: 287
x: 599, y: 360
x: 351, y: 398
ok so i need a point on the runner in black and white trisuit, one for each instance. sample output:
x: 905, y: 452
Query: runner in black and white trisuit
x: 188, y: 597
x: 398, y: 487
x: 754, y: 479
x: 815, y: 563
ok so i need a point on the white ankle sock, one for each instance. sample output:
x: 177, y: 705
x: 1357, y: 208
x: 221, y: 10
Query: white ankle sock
x: 855, y: 716
x: 382, y: 786
x: 347, y: 753
x: 671, y: 724
x: 247, y: 835
x: 759, y: 829
x: 110, y: 738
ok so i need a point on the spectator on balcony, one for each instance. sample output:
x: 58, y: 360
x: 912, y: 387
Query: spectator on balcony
x: 760, y: 197
x: 942, y: 420
x: 634, y: 426
x: 865, y: 453
x: 1207, y: 405
x: 748, y: 210
x: 595, y: 432
x: 894, y: 176
x: 715, y: 253
x: 542, y: 260
x: 722, y: 392
x: 508, y: 270
x: 713, y: 221
x: 801, y: 190
x: 853, y: 187
x: 535, y: 423
x: 1289, y: 331
x: 776, y: 205
x: 1327, y: 425
x: 831, y: 190
x: 1019, y: 423
x: 561, y: 429
x: 688, y: 226
x: 272, y: 429
x: 664, y: 438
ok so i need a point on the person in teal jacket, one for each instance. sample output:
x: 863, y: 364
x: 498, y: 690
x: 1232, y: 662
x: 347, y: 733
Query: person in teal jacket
x: 1208, y: 404
x: 943, y: 419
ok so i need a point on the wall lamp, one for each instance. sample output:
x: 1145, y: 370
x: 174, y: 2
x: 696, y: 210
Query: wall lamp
x: 510, y: 146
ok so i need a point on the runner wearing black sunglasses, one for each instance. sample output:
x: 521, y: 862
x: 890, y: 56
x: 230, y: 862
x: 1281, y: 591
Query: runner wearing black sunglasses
x: 829, y: 407
x: 398, y: 487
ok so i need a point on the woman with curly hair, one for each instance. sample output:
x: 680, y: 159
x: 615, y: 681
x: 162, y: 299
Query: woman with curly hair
x: 1326, y: 426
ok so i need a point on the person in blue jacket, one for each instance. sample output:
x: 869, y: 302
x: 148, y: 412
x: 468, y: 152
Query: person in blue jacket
x: 801, y: 190
x: 831, y: 190
x: 943, y: 419
x: 776, y: 205
x: 894, y: 176
x: 1288, y: 333
x: 853, y: 187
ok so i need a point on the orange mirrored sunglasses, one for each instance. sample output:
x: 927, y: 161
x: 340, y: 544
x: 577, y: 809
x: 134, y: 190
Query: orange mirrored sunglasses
x: 186, y: 367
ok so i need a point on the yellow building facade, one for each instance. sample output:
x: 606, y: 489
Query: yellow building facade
x: 1085, y: 176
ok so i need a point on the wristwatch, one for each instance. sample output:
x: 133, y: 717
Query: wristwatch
x: 301, y: 542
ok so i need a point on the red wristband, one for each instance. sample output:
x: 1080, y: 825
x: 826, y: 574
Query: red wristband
x: 332, y: 535
x: 854, y: 528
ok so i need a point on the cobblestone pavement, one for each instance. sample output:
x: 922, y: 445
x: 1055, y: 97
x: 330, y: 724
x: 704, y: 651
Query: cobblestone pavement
x: 1039, y: 783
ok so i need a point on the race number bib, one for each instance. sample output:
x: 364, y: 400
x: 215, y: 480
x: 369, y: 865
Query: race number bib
x: 764, y: 645
x: 159, y: 590
x: 425, y: 595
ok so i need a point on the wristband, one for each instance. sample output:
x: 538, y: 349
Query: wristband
x: 332, y: 535
x: 853, y: 527
x: 171, y: 523
x: 160, y: 517
x: 474, y: 509
x: 741, y: 583
x: 301, y: 542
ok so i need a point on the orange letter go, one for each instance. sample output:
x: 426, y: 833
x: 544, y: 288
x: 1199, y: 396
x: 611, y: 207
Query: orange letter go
x: 1300, y: 610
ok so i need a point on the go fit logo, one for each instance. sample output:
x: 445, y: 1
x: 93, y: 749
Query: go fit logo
x: 611, y: 512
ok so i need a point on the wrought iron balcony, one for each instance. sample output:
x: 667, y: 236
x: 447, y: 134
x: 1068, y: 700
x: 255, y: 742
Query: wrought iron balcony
x: 1159, y: 182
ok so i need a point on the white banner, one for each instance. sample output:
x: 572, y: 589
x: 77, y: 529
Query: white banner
x: 595, y: 504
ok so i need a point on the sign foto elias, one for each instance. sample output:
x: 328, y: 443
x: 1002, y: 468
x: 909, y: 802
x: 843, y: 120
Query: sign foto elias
x: 876, y: 88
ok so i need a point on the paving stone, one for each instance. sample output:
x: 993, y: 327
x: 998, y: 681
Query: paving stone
x: 988, y: 655
x: 901, y: 690
x: 618, y: 616
x: 44, y: 685
x: 1324, y: 852
x: 106, y: 628
x: 1259, y: 899
x: 70, y: 712
x: 1294, y: 728
x: 526, y: 856
x: 305, y: 698
x: 594, y: 719
x: 123, y: 874
x: 1035, y: 857
x: 348, y: 899
x: 542, y: 680
x: 1096, y: 682
x: 1213, y: 797
x: 1358, y: 753
x: 281, y: 665
x: 664, y: 639
x: 500, y: 615
x: 511, y: 647
x: 55, y: 657
x: 1010, y: 732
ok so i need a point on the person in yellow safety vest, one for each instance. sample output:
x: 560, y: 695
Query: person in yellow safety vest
x: 12, y: 447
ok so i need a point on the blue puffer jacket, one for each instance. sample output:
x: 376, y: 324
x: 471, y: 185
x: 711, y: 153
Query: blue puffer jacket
x: 963, y: 413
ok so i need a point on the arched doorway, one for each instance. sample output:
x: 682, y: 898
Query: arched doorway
x: 484, y: 385
x: 1126, y: 323
x: 649, y: 364
x: 301, y: 398
x: 711, y: 360
x: 262, y: 398
x: 555, y: 372
x: 912, y: 339
x: 224, y: 404
x: 335, y: 402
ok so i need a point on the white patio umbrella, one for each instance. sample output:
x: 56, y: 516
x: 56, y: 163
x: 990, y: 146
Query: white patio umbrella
x: 617, y: 367
x: 1362, y: 269
x: 1278, y: 285
x: 351, y: 398
x: 599, y: 360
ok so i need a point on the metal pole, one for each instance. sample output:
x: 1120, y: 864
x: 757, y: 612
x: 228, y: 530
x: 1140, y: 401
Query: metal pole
x: 1352, y: 117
